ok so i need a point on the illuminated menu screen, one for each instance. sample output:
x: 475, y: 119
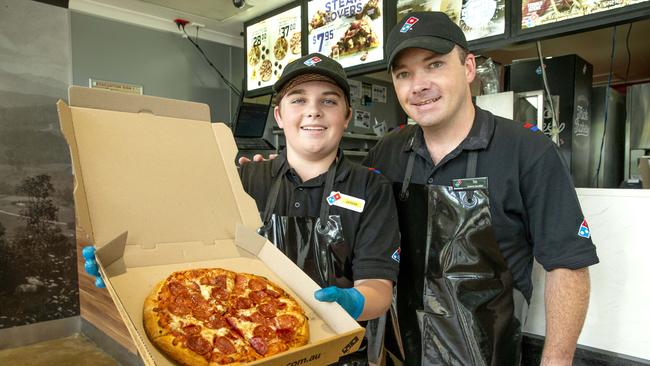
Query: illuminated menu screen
x: 540, y: 12
x: 350, y: 31
x: 477, y: 18
x: 270, y: 45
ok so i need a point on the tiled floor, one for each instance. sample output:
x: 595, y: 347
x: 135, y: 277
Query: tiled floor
x: 70, y: 351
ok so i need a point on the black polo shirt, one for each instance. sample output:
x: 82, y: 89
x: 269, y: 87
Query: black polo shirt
x: 533, y: 203
x: 372, y: 233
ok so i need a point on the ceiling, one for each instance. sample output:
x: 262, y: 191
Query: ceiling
x: 224, y: 23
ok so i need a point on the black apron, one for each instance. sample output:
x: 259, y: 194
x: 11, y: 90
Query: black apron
x: 454, y: 302
x: 315, y: 244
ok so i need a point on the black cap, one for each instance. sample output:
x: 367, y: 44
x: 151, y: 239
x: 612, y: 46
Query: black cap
x: 314, y: 63
x: 430, y: 30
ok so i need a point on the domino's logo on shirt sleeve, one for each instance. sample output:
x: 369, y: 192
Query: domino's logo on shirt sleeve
x: 584, y: 230
x: 396, y: 255
x: 408, y: 24
x: 312, y: 61
x: 531, y: 126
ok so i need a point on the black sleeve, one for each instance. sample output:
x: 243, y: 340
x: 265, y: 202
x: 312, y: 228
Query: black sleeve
x: 554, y: 215
x: 377, y: 239
x: 251, y: 175
x: 369, y: 160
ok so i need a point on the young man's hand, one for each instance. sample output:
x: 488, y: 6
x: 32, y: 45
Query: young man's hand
x: 257, y: 157
x: 349, y: 298
x: 91, y: 265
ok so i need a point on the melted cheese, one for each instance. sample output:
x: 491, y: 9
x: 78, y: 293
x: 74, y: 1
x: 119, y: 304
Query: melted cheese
x: 206, y: 291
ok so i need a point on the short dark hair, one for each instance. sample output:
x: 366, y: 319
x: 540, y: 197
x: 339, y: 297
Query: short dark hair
x: 462, y: 54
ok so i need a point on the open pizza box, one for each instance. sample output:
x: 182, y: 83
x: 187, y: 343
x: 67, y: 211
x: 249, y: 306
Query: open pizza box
x: 156, y: 191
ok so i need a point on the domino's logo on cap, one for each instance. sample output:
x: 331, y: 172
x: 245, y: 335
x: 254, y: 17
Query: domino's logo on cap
x: 312, y: 61
x: 408, y: 24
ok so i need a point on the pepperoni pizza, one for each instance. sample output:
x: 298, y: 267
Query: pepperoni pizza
x: 219, y: 317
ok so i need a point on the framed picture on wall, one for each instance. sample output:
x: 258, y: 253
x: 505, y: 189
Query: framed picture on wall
x: 351, y: 32
x: 534, y: 19
x: 271, y: 42
x: 480, y: 20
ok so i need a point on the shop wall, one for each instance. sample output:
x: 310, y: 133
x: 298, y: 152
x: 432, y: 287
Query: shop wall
x: 38, y: 277
x: 390, y: 111
x: 163, y: 63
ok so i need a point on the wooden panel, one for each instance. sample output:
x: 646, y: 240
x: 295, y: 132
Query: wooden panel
x: 98, y: 308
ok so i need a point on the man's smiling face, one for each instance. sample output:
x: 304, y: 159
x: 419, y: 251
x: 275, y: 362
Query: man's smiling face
x: 432, y: 88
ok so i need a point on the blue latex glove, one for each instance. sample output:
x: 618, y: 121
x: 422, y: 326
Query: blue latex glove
x: 91, y: 265
x: 349, y: 298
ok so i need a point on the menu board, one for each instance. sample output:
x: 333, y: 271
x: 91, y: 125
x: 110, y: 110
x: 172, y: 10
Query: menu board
x: 539, y: 12
x: 349, y: 31
x: 477, y: 18
x: 270, y: 45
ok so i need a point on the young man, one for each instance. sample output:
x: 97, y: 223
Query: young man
x: 478, y: 197
x: 335, y: 219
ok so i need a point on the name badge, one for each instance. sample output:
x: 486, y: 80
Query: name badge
x: 343, y: 200
x: 469, y: 183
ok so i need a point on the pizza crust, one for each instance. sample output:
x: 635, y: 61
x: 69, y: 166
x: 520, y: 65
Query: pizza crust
x: 149, y: 316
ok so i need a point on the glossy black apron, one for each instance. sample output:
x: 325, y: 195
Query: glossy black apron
x: 457, y: 306
x: 315, y: 244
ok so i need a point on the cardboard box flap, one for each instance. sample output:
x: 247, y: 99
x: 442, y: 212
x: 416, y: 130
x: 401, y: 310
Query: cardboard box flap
x: 337, y: 318
x: 115, y: 101
x: 162, y: 179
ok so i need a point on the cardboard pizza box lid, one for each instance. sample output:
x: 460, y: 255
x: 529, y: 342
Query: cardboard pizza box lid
x: 154, y: 167
x: 157, y: 190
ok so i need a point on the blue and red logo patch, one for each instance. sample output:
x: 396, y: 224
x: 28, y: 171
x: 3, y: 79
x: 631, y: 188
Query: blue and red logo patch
x: 584, y: 230
x: 312, y: 61
x: 396, y: 254
x: 531, y: 126
x: 333, y: 198
x: 408, y: 24
x: 374, y: 170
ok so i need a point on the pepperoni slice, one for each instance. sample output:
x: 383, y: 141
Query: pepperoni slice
x: 163, y: 321
x: 198, y: 344
x: 220, y: 294
x: 256, y: 284
x: 285, y: 334
x: 220, y: 281
x: 259, y: 296
x: 272, y: 293
x: 176, y: 288
x: 287, y: 321
x: 267, y: 309
x: 193, y: 286
x: 192, y: 329
x: 202, y: 312
x: 216, y: 322
x: 264, y: 332
x: 217, y: 281
x: 258, y: 318
x: 233, y: 324
x: 178, y: 309
x: 224, y: 345
x: 198, y: 300
x: 241, y: 282
x: 259, y: 345
x: 244, y: 303
x: 280, y: 305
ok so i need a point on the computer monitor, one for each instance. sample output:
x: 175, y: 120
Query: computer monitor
x: 250, y: 120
